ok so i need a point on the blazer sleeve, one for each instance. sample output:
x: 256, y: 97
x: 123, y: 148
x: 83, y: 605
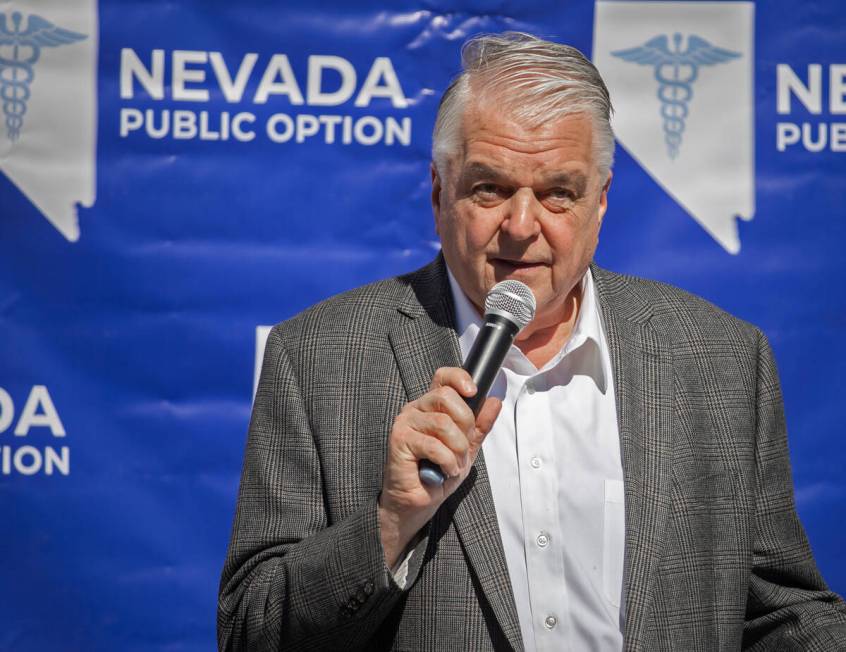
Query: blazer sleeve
x: 291, y: 580
x: 789, y: 606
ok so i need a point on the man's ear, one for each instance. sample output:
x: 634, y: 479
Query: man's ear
x: 436, y: 196
x: 603, y: 197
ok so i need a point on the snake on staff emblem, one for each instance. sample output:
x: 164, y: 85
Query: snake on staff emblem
x: 19, y: 51
x: 676, y: 70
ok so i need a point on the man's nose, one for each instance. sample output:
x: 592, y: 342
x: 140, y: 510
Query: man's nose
x: 521, y: 223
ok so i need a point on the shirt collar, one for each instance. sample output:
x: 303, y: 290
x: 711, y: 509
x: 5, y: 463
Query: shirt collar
x: 587, y: 336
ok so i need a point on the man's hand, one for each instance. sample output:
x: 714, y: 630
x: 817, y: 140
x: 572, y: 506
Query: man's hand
x: 440, y: 427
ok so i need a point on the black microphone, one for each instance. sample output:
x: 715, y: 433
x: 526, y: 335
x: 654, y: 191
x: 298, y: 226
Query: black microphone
x: 509, y: 306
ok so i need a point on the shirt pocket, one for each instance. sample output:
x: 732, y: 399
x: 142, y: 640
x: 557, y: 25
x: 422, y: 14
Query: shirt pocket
x: 613, y: 541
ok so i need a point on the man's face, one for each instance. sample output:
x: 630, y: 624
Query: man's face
x: 521, y: 204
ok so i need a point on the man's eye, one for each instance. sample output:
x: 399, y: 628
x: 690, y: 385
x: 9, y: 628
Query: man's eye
x: 560, y: 194
x: 486, y: 189
x: 558, y: 198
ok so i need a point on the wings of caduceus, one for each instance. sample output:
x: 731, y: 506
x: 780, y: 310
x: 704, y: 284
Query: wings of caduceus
x: 675, y: 70
x: 23, y: 48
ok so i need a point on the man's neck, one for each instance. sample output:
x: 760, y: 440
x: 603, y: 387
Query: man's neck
x: 541, y: 341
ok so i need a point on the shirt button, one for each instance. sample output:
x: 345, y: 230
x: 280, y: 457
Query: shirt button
x: 536, y: 462
x: 550, y: 622
x: 543, y: 540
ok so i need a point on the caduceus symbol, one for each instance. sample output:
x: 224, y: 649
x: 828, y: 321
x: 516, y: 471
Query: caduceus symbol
x: 676, y: 70
x: 19, y: 51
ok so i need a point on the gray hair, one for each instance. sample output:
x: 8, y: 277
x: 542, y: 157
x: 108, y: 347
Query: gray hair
x: 535, y: 81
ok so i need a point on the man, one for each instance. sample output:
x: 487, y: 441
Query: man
x: 627, y: 485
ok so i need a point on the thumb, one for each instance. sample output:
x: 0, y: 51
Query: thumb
x: 485, y: 420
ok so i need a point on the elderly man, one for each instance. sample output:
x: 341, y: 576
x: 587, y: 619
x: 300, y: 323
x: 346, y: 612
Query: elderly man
x: 626, y: 485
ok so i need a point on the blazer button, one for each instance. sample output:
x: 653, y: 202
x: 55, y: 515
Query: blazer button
x: 369, y: 588
x: 361, y: 596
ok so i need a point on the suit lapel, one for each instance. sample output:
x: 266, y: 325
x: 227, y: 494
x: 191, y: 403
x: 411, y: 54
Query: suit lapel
x: 424, y: 339
x: 643, y: 381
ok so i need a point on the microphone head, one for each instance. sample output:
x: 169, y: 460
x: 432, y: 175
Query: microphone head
x: 512, y: 300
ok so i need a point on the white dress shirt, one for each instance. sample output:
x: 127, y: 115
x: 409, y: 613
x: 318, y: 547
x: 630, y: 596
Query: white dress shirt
x: 553, y: 458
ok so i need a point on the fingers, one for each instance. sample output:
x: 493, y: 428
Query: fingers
x: 454, y: 377
x: 450, y: 386
x: 425, y: 447
x: 443, y: 427
x: 446, y: 400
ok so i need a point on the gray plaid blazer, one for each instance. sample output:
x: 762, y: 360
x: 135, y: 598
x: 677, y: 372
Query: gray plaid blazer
x: 716, y: 558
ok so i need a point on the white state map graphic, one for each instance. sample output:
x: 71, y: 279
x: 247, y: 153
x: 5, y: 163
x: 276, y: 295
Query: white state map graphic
x: 48, y: 124
x: 262, y: 333
x: 681, y: 80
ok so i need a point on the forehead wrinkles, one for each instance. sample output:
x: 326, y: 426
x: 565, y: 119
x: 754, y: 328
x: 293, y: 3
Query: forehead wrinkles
x: 533, y: 152
x: 495, y: 116
x: 510, y: 148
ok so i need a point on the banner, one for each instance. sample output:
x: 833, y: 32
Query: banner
x: 177, y: 177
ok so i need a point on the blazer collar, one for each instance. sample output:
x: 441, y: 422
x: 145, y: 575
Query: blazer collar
x: 642, y: 364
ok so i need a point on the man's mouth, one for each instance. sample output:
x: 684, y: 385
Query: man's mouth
x: 517, y: 264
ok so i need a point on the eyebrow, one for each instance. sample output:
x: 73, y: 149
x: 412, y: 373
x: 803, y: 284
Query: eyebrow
x: 575, y: 180
x: 476, y: 171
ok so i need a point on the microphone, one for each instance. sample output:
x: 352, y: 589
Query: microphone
x: 509, y: 306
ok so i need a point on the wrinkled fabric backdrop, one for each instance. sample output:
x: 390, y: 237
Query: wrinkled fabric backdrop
x: 177, y: 176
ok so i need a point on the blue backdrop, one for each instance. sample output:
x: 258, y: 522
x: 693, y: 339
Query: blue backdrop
x: 128, y: 348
